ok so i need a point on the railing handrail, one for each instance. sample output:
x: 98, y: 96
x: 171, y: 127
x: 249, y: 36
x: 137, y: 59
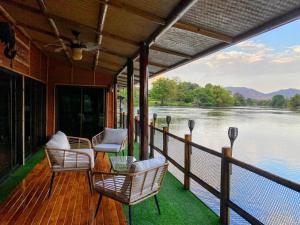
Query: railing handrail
x: 226, y: 162
x: 270, y: 176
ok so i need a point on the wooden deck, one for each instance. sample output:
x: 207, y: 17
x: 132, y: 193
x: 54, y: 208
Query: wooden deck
x: 70, y: 203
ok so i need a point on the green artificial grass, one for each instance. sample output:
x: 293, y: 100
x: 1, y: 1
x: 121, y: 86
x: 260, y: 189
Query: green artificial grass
x: 178, y: 206
x: 9, y: 184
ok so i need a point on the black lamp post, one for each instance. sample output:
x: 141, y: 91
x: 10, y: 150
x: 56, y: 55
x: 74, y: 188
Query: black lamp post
x: 154, y: 118
x: 232, y: 134
x: 191, y: 125
x: 168, y: 120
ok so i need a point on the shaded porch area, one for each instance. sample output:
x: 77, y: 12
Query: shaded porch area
x: 72, y: 203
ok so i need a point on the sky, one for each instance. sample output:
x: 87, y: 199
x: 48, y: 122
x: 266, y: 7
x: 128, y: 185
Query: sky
x: 268, y: 62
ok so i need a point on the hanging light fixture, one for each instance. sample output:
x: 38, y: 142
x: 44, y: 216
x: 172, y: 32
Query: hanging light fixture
x: 76, y: 54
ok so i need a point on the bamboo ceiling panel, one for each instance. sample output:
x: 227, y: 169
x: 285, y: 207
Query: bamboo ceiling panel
x: 128, y: 25
x: 31, y: 3
x: 111, y: 58
x: 27, y: 17
x: 160, y: 8
x: 235, y: 16
x: 120, y: 48
x: 163, y: 58
x: 81, y: 11
x: 185, y: 41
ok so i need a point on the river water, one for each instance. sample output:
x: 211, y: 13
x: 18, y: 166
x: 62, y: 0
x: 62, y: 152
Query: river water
x: 268, y: 138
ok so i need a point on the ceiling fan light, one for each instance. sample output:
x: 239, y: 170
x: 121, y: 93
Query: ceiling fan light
x: 77, y: 53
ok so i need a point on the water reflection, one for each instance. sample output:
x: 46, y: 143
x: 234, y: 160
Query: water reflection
x: 267, y: 138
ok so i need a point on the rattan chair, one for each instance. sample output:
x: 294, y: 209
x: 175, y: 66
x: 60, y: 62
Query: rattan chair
x: 80, y: 157
x: 130, y: 188
x: 99, y: 144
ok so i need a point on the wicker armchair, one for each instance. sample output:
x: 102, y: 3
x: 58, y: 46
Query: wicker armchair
x: 130, y: 188
x: 113, y: 145
x: 79, y: 157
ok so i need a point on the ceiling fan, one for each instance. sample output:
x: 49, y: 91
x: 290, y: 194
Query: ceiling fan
x: 76, y: 46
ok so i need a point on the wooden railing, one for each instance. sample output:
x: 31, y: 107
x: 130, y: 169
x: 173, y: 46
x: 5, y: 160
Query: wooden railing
x: 222, y: 173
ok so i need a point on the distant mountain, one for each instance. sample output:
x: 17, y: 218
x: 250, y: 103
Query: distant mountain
x: 251, y: 93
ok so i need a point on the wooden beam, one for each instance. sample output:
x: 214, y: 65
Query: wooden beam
x: 172, y: 18
x: 101, y: 19
x: 171, y: 52
x: 54, y: 28
x: 130, y: 107
x: 39, y: 30
x: 135, y: 11
x: 72, y: 23
x: 203, y: 31
x: 144, y: 52
x: 115, y: 102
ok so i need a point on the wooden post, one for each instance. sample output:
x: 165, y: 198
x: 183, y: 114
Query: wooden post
x: 225, y: 185
x: 187, y: 161
x: 144, y: 52
x: 151, y: 140
x: 120, y: 121
x: 115, y: 102
x: 130, y: 106
x: 136, y: 128
x: 165, y: 140
x: 123, y: 119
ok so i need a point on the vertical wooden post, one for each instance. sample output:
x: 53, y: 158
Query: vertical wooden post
x: 151, y: 140
x: 187, y: 161
x: 144, y: 52
x: 165, y: 140
x: 120, y: 120
x: 136, y: 128
x: 130, y: 106
x: 123, y: 120
x: 225, y: 185
x: 115, y: 102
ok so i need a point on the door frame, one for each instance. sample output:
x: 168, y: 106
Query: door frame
x: 106, y: 89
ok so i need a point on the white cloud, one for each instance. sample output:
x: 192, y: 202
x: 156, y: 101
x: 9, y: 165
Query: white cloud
x: 248, y: 64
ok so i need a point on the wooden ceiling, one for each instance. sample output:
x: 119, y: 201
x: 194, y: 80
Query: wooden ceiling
x: 176, y: 31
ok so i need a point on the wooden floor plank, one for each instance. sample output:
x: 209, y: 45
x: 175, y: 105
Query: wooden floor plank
x: 70, y: 203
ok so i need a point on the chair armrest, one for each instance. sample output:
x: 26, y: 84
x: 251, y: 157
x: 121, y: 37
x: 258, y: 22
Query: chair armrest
x: 97, y: 139
x: 54, y: 155
x: 123, y: 144
x: 79, y: 143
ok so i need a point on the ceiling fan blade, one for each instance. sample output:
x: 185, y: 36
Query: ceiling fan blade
x: 90, y: 46
x: 59, y: 49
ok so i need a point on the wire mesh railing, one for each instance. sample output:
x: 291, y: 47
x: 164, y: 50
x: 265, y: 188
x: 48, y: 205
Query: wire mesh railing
x: 255, y: 195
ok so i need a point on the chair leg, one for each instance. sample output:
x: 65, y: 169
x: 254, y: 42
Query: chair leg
x: 90, y: 180
x: 130, y: 214
x: 157, y: 204
x: 51, y: 184
x: 98, y: 205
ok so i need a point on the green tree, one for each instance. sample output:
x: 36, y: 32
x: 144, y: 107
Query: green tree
x: 278, y: 101
x: 163, y: 90
x: 294, y: 102
x: 239, y: 100
x: 222, y: 96
x: 185, y: 91
x: 203, y: 97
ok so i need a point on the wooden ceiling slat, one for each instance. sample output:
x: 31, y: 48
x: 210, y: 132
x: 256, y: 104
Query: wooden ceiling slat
x: 54, y: 27
x: 133, y: 10
x: 203, y: 31
x: 101, y: 19
x: 170, y: 51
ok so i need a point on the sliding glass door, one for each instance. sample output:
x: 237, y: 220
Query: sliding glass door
x: 10, y: 122
x: 35, y: 115
x: 80, y: 111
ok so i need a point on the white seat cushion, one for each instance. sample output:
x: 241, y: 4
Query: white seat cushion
x: 58, y: 141
x: 73, y: 160
x: 140, y: 166
x: 114, y: 136
x: 107, y: 148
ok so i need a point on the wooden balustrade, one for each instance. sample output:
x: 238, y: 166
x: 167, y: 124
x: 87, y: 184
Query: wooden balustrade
x: 226, y: 169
